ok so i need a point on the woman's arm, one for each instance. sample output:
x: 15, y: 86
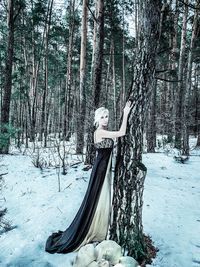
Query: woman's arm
x: 122, y: 131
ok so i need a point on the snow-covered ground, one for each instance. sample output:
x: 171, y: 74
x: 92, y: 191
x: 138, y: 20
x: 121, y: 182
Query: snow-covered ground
x: 171, y: 214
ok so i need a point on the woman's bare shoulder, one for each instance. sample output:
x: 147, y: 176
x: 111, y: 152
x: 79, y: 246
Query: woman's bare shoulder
x: 102, y: 133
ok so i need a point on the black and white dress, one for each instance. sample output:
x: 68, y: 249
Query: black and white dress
x: 92, y: 219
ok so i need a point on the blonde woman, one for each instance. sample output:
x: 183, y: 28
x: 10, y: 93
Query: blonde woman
x: 92, y: 219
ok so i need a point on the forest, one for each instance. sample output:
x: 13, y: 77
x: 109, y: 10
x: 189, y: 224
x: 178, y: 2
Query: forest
x: 60, y: 60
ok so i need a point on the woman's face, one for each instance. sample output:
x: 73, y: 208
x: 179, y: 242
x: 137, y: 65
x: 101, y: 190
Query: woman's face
x: 103, y: 121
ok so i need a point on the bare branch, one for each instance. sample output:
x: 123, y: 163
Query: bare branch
x: 166, y: 80
x: 92, y: 13
x: 18, y: 11
x: 190, y: 5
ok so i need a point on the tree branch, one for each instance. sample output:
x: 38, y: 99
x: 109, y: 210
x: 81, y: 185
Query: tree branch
x: 171, y: 81
x: 18, y: 11
x: 164, y: 50
x: 91, y: 13
x: 161, y: 71
x: 189, y: 5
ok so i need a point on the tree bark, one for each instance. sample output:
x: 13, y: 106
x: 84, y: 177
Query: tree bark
x: 181, y: 84
x: 172, y: 86
x: 98, y: 56
x: 67, y: 97
x: 114, y: 86
x: 96, y: 76
x: 186, y: 117
x: 5, y: 111
x: 151, y: 123
x: 197, y: 105
x: 82, y: 95
x: 126, y: 227
x: 44, y: 116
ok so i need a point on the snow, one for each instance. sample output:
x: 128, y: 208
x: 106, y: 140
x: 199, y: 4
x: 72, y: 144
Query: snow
x: 171, y: 214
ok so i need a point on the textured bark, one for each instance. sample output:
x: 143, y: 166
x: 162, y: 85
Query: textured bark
x: 67, y: 98
x: 114, y: 87
x: 44, y: 114
x: 98, y: 56
x: 122, y: 100
x: 5, y: 111
x: 181, y: 84
x: 163, y: 96
x: 108, y: 79
x: 82, y: 107
x: 96, y: 72
x: 126, y: 228
x: 136, y: 22
x: 171, y: 86
x: 151, y: 123
x: 33, y: 95
x: 186, y: 117
x: 197, y: 106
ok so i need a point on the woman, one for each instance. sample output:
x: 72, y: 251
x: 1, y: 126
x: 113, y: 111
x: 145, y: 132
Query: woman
x: 92, y: 219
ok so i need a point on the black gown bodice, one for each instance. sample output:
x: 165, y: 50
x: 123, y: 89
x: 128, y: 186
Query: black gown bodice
x: 105, y: 143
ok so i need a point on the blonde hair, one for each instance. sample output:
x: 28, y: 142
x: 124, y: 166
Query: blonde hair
x: 98, y: 113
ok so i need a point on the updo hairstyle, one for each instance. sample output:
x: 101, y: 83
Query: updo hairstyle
x: 97, y: 115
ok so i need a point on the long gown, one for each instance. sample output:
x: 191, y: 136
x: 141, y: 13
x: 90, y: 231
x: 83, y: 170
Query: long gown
x: 92, y: 219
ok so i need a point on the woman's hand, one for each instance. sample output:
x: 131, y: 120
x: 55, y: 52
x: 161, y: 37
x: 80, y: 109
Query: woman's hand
x: 128, y: 107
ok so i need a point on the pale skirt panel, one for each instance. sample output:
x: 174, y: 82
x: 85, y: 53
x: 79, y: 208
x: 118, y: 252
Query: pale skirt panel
x: 99, y: 227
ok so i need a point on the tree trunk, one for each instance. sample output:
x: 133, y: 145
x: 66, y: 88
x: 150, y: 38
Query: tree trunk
x: 108, y: 80
x: 172, y: 65
x: 36, y: 61
x: 5, y: 112
x: 136, y: 23
x: 197, y: 120
x: 44, y: 121
x: 173, y: 86
x: 114, y: 87
x: 66, y: 115
x: 151, y: 123
x: 98, y: 56
x: 186, y: 117
x: 163, y: 95
x: 96, y: 76
x: 82, y: 106
x: 181, y: 83
x: 126, y: 228
x: 122, y: 102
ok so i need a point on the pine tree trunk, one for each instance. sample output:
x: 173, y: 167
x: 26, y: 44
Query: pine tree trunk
x: 5, y: 111
x: 98, y: 56
x: 172, y: 65
x: 82, y: 107
x: 108, y: 80
x: 151, y: 123
x: 136, y: 23
x: 173, y: 86
x: 126, y: 228
x: 186, y: 117
x: 33, y: 100
x: 122, y: 102
x: 47, y: 105
x: 163, y: 106
x: 114, y: 87
x: 96, y: 76
x: 197, y: 109
x: 181, y: 83
x: 44, y: 122
x: 67, y: 100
